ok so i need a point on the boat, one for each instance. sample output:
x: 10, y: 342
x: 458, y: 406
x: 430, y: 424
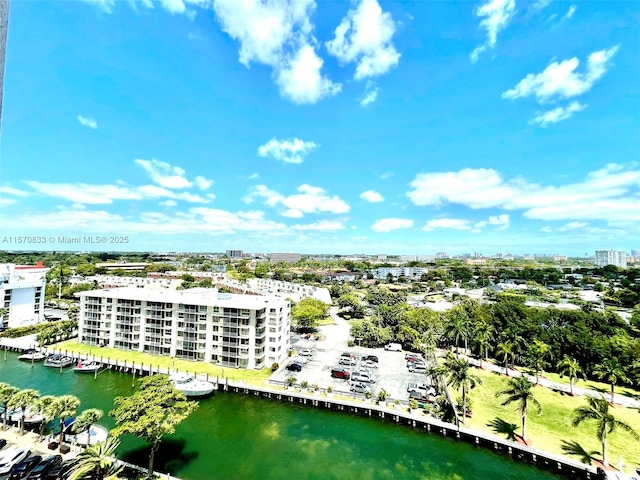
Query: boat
x: 58, y: 360
x: 32, y: 355
x: 87, y: 366
x: 30, y: 416
x: 191, y: 386
x: 95, y: 434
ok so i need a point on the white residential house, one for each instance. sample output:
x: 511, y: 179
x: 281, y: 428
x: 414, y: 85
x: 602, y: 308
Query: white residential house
x: 22, y: 294
x: 239, y: 331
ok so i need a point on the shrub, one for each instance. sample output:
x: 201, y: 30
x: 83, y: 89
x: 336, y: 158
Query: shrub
x: 304, y: 384
x: 274, y: 366
x: 290, y: 381
x: 351, y: 343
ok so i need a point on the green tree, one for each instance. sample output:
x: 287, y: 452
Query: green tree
x: 65, y: 407
x: 612, y: 372
x: 598, y: 409
x: 483, y: 335
x: 460, y: 377
x: 46, y: 407
x: 23, y: 400
x: 458, y: 327
x: 86, y: 419
x: 152, y: 412
x: 307, y: 312
x: 505, y: 350
x: 6, y: 394
x: 571, y: 368
x: 519, y: 391
x: 97, y: 462
x: 538, y: 350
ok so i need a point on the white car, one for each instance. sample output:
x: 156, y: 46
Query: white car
x: 306, y: 352
x: 362, y: 376
x: 300, y: 360
x: 393, y: 347
x: 369, y: 364
x: 11, y: 458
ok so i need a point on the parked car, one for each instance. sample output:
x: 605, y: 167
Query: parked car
x: 362, y: 376
x: 23, y: 468
x: 369, y: 364
x: 412, y: 354
x: 359, y: 387
x: 45, y: 466
x: 300, y: 360
x: 413, y: 359
x: 60, y: 471
x: 419, y: 397
x: 418, y: 368
x: 393, y: 347
x: 372, y: 358
x: 339, y: 372
x: 306, y: 352
x: 416, y: 387
x: 3, y: 443
x: 347, y: 361
x: 12, y: 457
x: 294, y: 367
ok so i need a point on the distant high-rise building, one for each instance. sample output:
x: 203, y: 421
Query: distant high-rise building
x: 635, y: 253
x: 4, y: 25
x: 611, y: 257
x: 235, y: 253
x: 285, y: 257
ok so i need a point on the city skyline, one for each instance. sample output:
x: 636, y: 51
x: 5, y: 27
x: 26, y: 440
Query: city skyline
x: 364, y: 126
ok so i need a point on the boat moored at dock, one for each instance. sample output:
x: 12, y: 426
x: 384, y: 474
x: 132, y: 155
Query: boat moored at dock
x: 191, y: 386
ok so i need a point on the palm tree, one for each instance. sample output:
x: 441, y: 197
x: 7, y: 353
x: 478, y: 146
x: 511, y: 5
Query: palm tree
x: 6, y: 393
x: 483, y: 335
x: 519, y: 390
x: 505, y: 349
x: 86, y: 419
x: 611, y: 370
x: 598, y: 409
x: 571, y: 368
x: 46, y: 407
x: 460, y: 376
x: 457, y: 327
x: 65, y: 407
x: 97, y: 461
x: 538, y: 350
x: 22, y: 400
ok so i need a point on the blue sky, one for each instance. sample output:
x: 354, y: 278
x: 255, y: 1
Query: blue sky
x: 323, y: 127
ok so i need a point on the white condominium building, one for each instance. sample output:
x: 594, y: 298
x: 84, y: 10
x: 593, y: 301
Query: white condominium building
x: 611, y: 257
x: 241, y: 331
x: 22, y: 294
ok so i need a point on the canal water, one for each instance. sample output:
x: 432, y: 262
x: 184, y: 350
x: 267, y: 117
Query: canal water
x: 237, y: 437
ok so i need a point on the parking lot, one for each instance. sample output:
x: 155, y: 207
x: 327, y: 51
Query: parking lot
x: 391, y: 374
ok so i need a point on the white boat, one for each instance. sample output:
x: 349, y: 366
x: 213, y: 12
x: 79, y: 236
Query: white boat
x: 32, y: 355
x: 30, y: 416
x: 96, y: 434
x: 58, y: 360
x: 191, y: 386
x: 87, y: 366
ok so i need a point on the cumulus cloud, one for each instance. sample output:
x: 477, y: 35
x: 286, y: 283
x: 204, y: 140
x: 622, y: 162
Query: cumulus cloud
x: 611, y: 194
x: 390, y: 224
x: 13, y: 191
x: 309, y: 199
x: 164, y: 174
x: 288, y: 151
x: 371, y: 196
x: 87, y: 122
x: 322, y: 225
x: 450, y: 223
x: 171, y: 6
x: 560, y: 79
x: 557, y: 114
x: 496, y: 15
x: 365, y: 36
x: 278, y: 33
x: 203, y: 183
x: 370, y: 94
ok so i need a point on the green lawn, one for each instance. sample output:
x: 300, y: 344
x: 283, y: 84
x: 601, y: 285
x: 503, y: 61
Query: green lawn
x: 547, y: 430
x: 326, y: 321
x: 253, y: 377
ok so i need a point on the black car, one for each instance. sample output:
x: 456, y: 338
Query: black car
x: 372, y: 358
x: 22, y: 469
x: 60, y: 471
x: 45, y: 466
x: 3, y: 443
x: 294, y: 367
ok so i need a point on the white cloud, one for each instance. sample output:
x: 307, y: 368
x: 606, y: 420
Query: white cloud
x: 386, y: 175
x: 171, y: 6
x: 13, y: 191
x: 502, y: 221
x: 611, y: 194
x: 300, y: 78
x: 541, y: 4
x: 558, y: 114
x: 164, y: 174
x: 365, y: 36
x: 370, y: 93
x: 203, y: 183
x: 87, y: 122
x: 277, y: 33
x: 104, y: 5
x: 570, y: 12
x: 169, y: 203
x: 322, y: 225
x: 254, y: 176
x: 5, y: 202
x: 496, y: 15
x: 561, y: 81
x: 288, y: 151
x: 309, y: 199
x: 391, y: 224
x: 371, y: 196
x: 572, y: 226
x: 450, y: 223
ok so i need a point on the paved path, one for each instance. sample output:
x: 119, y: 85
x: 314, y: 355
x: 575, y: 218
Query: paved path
x: 558, y: 386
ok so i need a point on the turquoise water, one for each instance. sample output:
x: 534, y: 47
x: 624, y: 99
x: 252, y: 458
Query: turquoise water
x: 236, y: 437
